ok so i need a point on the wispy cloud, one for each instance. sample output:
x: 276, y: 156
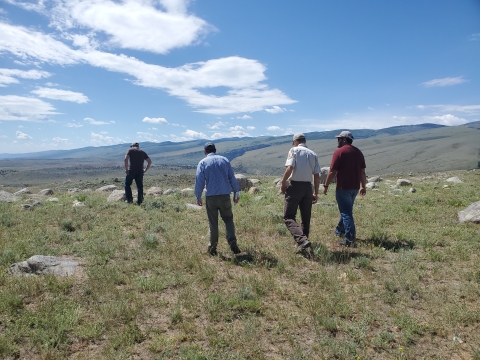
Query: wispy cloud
x: 103, y: 140
x: 73, y: 125
x: 244, y: 117
x: 57, y: 94
x: 9, y: 76
x: 189, y: 135
x: 243, y: 78
x: 474, y: 37
x: 59, y: 140
x: 216, y: 126
x: 275, y: 110
x: 20, y: 108
x: 250, y: 127
x: 274, y: 128
x: 95, y: 122
x: 448, y: 81
x: 154, y: 120
x: 23, y: 136
x: 466, y: 109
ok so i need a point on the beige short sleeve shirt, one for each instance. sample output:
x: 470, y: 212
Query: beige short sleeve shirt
x: 304, y: 162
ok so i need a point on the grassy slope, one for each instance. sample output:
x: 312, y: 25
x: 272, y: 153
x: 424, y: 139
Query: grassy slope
x: 440, y: 149
x: 147, y: 290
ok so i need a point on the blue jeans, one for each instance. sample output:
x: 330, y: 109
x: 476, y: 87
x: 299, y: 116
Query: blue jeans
x: 136, y: 175
x: 346, y: 224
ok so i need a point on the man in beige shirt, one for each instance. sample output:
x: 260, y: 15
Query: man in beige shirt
x: 301, y: 166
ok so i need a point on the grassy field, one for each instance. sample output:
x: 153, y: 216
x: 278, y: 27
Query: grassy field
x: 146, y: 289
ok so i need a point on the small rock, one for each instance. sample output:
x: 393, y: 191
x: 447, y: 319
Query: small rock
x: 23, y: 191
x: 117, y: 195
x: 27, y: 207
x: 255, y: 181
x: 404, y: 182
x: 454, y: 179
x: 187, y: 192
x: 243, y: 182
x: 374, y: 179
x: 107, y: 188
x: 78, y: 203
x: 40, y: 264
x: 73, y: 190
x: 193, y: 206
x: 45, y: 192
x: 372, y: 185
x: 258, y: 198
x: 52, y: 199
x: 446, y: 186
x: 5, y: 196
x: 154, y: 191
x: 168, y: 192
x: 412, y: 190
x: 253, y: 190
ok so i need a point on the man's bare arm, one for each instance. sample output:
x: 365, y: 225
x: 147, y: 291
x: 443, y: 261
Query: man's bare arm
x: 286, y: 175
x: 149, y: 162
x: 125, y: 163
x: 330, y: 176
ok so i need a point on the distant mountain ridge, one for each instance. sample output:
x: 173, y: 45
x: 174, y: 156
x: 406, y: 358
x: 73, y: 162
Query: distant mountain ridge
x: 113, y: 151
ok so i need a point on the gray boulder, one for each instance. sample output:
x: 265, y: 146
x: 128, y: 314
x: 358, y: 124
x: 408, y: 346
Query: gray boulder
x: 470, y: 214
x: 193, y: 207
x: 323, y: 175
x: 45, y: 192
x: 187, y: 192
x: 243, y: 182
x: 117, y: 195
x: 154, y: 191
x: 107, y: 188
x: 253, y: 190
x: 455, y: 180
x: 404, y: 182
x: 255, y: 181
x: 23, y: 191
x: 371, y: 185
x: 168, y: 192
x: 7, y: 197
x: 73, y: 190
x: 374, y: 179
x: 40, y: 264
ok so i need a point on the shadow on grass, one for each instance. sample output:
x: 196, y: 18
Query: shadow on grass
x: 384, y: 241
x: 253, y: 257
x: 321, y: 254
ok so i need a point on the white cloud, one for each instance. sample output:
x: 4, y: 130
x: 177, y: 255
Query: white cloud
x: 9, y: 76
x: 230, y: 134
x: 191, y: 134
x: 19, y: 108
x: 274, y: 128
x: 73, y: 125
x: 57, y: 94
x: 237, y: 128
x: 467, y: 109
x: 217, y: 125
x: 103, y: 140
x: 23, y: 136
x: 59, y: 140
x: 275, y: 110
x: 147, y: 136
x: 95, y: 122
x: 474, y: 37
x: 448, y: 120
x: 250, y: 127
x: 244, y: 117
x: 155, y: 120
x: 150, y: 25
x: 448, y: 81
x: 242, y: 77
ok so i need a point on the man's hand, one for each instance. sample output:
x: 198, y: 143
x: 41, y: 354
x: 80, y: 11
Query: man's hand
x: 315, y: 198
x: 325, y: 190
x: 199, y: 203
x: 235, y: 200
x: 283, y: 187
x: 363, y: 192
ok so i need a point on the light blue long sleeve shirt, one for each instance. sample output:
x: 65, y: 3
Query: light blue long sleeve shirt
x: 216, y: 173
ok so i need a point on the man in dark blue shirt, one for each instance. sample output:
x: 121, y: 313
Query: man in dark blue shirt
x: 134, y: 160
x: 216, y: 174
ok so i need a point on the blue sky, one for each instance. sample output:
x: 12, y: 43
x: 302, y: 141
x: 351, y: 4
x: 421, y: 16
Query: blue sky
x: 77, y: 73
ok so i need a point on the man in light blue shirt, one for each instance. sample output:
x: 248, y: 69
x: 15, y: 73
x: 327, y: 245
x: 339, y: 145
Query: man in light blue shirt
x: 216, y: 174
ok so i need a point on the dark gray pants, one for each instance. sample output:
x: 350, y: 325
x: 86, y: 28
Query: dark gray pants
x: 299, y: 194
x: 222, y: 204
